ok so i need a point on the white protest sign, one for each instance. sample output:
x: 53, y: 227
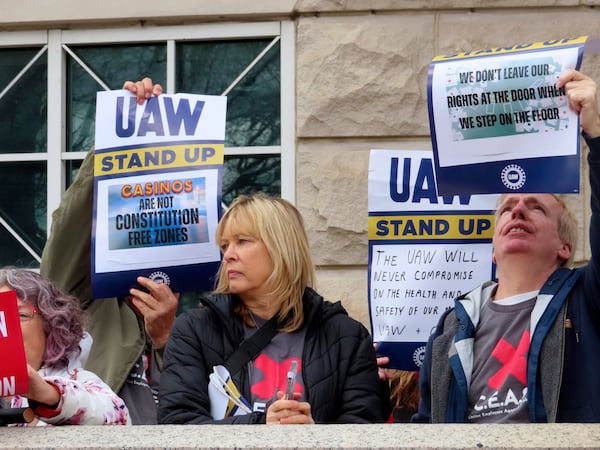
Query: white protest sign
x: 499, y: 123
x: 424, y: 251
x: 158, y: 171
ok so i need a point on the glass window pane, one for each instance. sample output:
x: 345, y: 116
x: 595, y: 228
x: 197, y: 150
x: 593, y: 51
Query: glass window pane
x: 251, y: 174
x: 72, y: 170
x: 113, y: 64
x: 23, y: 207
x: 24, y: 107
x: 253, y: 106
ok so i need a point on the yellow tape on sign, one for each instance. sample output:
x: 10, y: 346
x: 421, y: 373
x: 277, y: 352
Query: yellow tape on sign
x: 428, y: 227
x: 513, y: 48
x: 160, y: 157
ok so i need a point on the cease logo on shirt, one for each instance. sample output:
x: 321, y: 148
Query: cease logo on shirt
x: 513, y: 360
x: 275, y: 376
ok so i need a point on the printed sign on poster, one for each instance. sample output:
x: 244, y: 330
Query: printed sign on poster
x: 499, y: 123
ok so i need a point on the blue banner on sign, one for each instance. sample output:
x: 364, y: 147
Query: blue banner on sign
x: 550, y: 175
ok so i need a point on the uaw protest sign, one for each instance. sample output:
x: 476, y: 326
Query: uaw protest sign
x: 500, y: 124
x: 157, y: 183
x: 424, y: 251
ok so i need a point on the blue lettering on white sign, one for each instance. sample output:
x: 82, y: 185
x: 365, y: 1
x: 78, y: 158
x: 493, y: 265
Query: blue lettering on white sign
x: 152, y: 117
x: 424, y: 188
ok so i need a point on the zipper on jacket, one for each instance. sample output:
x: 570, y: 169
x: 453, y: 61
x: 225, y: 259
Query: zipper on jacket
x: 569, y: 325
x: 578, y: 322
x: 562, y: 360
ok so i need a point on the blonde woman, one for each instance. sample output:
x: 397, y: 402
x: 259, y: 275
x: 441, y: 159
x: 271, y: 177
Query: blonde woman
x: 267, y: 272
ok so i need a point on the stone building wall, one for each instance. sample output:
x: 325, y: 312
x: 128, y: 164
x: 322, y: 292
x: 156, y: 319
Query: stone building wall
x: 361, y: 84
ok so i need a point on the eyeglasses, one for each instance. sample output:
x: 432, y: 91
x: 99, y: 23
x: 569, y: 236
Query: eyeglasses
x: 26, y: 313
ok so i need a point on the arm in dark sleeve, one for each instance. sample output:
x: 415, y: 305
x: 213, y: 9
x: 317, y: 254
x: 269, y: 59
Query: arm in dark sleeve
x: 365, y: 398
x: 592, y: 278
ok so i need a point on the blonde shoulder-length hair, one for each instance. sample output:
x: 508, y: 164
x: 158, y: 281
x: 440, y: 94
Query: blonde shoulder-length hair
x: 279, y: 226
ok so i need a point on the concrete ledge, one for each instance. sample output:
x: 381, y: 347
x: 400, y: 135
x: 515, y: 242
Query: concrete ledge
x: 391, y: 436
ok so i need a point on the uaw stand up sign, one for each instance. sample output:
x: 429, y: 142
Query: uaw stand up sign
x: 157, y: 182
x: 424, y: 251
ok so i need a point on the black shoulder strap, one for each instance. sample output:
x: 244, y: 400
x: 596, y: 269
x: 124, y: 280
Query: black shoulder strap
x: 251, y: 346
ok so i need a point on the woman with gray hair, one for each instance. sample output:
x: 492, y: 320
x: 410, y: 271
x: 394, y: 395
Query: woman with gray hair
x: 56, y: 344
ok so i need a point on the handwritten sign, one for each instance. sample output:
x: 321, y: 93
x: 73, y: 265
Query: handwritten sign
x: 424, y: 251
x: 499, y: 123
x: 13, y: 370
x: 158, y: 171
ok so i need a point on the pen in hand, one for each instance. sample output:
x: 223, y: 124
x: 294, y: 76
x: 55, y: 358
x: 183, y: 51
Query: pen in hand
x: 291, y: 381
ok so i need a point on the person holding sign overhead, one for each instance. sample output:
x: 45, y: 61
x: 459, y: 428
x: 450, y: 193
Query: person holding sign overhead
x: 524, y: 348
x: 56, y: 344
x: 265, y: 328
x: 129, y: 336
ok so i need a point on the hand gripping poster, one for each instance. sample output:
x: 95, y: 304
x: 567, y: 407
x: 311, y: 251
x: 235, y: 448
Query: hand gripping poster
x: 499, y: 123
x: 157, y: 180
x: 425, y: 250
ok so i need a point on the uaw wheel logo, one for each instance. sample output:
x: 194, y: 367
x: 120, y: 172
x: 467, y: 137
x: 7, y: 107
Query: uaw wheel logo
x: 160, y: 277
x: 419, y: 356
x: 513, y: 177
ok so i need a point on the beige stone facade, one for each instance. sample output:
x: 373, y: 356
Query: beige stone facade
x: 361, y: 84
x: 361, y: 77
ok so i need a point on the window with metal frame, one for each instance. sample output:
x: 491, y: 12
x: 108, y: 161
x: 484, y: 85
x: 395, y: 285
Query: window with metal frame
x: 48, y: 85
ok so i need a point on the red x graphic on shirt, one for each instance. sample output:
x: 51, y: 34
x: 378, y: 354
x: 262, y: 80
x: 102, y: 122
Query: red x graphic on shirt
x: 275, y: 376
x: 514, y: 361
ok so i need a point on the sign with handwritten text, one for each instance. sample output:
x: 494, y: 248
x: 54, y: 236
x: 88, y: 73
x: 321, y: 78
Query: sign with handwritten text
x: 158, y: 170
x: 499, y: 123
x: 424, y: 251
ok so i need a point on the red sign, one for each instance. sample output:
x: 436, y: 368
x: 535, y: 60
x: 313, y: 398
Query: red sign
x: 13, y: 365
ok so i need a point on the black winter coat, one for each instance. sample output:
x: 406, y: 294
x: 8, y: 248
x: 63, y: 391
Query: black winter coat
x: 339, y: 365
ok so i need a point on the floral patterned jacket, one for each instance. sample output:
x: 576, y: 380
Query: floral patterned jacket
x: 85, y: 398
